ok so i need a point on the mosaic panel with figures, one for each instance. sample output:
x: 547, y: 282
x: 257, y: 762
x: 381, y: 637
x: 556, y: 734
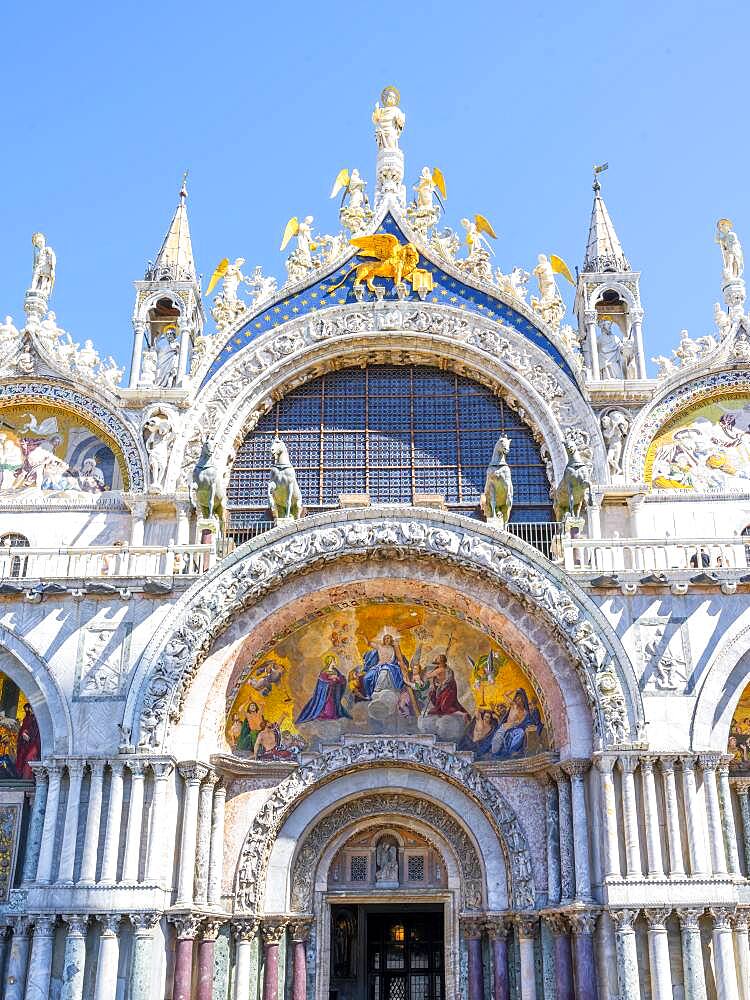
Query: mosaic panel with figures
x: 20, y: 740
x: 705, y: 448
x: 739, y: 735
x: 384, y: 668
x: 52, y: 451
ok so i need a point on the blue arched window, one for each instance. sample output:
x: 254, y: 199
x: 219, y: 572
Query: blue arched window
x: 390, y: 432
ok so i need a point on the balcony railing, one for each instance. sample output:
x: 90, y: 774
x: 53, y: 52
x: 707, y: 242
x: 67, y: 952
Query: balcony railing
x: 20, y: 563
x: 654, y: 555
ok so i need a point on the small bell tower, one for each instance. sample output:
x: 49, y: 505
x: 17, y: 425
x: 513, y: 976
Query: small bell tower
x: 608, y: 301
x: 168, y: 314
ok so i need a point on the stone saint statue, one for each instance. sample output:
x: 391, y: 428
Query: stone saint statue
x: 615, y: 427
x: 388, y: 119
x: 45, y: 262
x: 610, y: 352
x: 386, y: 862
x: 731, y: 250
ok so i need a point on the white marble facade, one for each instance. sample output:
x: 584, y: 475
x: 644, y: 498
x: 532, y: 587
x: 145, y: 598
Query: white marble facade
x: 149, y: 857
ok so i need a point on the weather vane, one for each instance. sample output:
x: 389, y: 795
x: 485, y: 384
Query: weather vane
x: 599, y: 169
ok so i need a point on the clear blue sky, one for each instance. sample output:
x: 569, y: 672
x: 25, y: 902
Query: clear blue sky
x: 104, y: 106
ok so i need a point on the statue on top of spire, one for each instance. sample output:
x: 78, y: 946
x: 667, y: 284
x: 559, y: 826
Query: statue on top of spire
x: 731, y: 250
x: 388, y: 119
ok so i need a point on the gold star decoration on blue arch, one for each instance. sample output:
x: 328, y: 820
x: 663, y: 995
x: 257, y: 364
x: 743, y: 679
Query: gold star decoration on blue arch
x: 319, y: 296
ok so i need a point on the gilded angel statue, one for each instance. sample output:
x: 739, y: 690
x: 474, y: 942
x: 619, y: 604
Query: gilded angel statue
x: 356, y: 213
x: 232, y: 276
x: 427, y: 187
x: 388, y: 119
x: 303, y: 232
x: 477, y: 259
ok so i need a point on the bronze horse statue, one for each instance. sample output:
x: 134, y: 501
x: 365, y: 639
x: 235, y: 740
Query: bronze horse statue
x: 497, y: 499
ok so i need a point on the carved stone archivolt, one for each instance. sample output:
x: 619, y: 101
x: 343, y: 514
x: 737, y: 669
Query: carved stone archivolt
x: 173, y: 657
x: 277, y: 361
x: 369, y: 806
x: 256, y: 851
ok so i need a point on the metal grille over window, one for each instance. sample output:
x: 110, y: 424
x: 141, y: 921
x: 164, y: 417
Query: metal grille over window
x: 388, y: 432
x: 358, y: 868
x: 415, y: 868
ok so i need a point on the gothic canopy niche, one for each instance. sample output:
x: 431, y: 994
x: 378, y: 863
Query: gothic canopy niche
x: 174, y: 656
x: 306, y: 330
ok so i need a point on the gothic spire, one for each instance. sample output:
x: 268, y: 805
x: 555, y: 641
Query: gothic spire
x: 603, y: 250
x: 174, y: 262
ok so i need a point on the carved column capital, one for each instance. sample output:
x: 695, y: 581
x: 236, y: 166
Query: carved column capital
x: 96, y: 767
x: 210, y: 929
x: 558, y: 923
x: 741, y: 920
x: 709, y: 761
x: 137, y: 767
x: 628, y: 763
x: 583, y: 922
x: 724, y: 763
x: 192, y: 771
x: 526, y: 924
x: 723, y: 916
x: 274, y: 929
x: 689, y: 916
x: 657, y: 916
x: 605, y: 763
x: 77, y: 923
x: 647, y: 765
x: 576, y: 768
x: 245, y: 928
x: 144, y: 922
x: 624, y: 918
x: 76, y: 768
x: 299, y: 928
x: 22, y: 926
x: 116, y: 766
x: 186, y: 926
x: 161, y: 769
x: 497, y: 926
x: 110, y: 923
x: 40, y: 769
x: 687, y: 762
x: 667, y: 762
x: 44, y: 924
x: 472, y: 928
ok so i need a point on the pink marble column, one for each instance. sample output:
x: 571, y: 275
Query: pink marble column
x: 583, y: 924
x: 560, y: 928
x: 273, y: 932
x: 300, y: 930
x: 209, y: 933
x: 473, y: 928
x: 497, y: 930
x: 186, y: 928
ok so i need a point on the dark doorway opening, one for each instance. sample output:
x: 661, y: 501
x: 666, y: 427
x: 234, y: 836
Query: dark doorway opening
x: 394, y: 954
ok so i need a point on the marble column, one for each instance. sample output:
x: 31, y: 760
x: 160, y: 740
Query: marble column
x: 18, y: 960
x: 245, y: 932
x: 70, y: 830
x: 552, y: 836
x: 143, y: 924
x: 727, y: 817
x: 692, y: 953
x: 36, y: 824
x: 526, y: 934
x: 193, y: 774
x: 109, y: 956
x: 300, y: 930
x: 630, y: 815
x: 658, y: 954
x: 161, y: 771
x: 497, y: 928
x: 132, y: 856
x: 742, y: 949
x: 709, y: 763
x: 558, y: 924
x: 186, y: 929
x: 628, y: 980
x: 472, y: 929
x: 93, y: 823
x: 696, y: 840
x: 49, y: 829
x: 74, y: 960
x: 206, y: 946
x: 605, y: 766
x: 203, y: 841
x: 653, y: 833
x: 676, y: 864
x: 583, y: 924
x: 567, y: 860
x: 111, y: 850
x: 273, y: 932
x: 725, y: 969
x: 742, y: 787
x: 216, y: 862
x: 40, y: 963
x: 576, y: 770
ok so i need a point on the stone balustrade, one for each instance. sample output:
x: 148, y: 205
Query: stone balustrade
x: 681, y: 556
x: 21, y: 564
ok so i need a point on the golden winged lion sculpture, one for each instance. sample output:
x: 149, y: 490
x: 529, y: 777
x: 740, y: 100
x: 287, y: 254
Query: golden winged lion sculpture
x: 391, y: 259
